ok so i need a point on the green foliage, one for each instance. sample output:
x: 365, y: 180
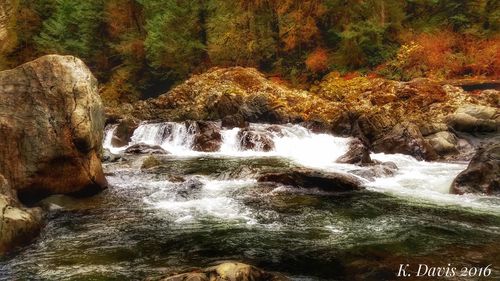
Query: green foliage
x: 174, y: 34
x: 73, y: 28
x: 143, y: 47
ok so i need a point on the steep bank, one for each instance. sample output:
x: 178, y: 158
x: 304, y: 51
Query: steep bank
x: 51, y: 123
x: 422, y: 118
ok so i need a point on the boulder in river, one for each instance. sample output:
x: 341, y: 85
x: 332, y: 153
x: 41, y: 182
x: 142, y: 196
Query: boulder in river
x: 482, y: 175
x: 124, y: 131
x: 206, y: 135
x: 358, y: 153
x: 253, y: 139
x: 228, y: 271
x: 52, y: 124
x: 309, y: 178
x: 376, y: 170
x: 142, y: 148
x: 405, y: 138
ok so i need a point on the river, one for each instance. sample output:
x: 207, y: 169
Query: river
x: 148, y: 223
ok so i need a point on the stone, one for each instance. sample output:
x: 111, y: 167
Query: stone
x: 18, y: 225
x: 472, y: 118
x: 206, y: 135
x: 52, y: 126
x: 124, y: 131
x: 376, y: 170
x: 357, y: 154
x: 443, y: 142
x: 228, y: 271
x: 254, y: 139
x: 308, y: 178
x: 142, y: 148
x: 150, y: 162
x: 482, y: 174
x: 405, y: 138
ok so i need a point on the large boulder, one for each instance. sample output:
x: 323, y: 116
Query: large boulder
x: 206, y: 135
x: 473, y: 118
x: 406, y: 139
x: 228, y: 271
x: 255, y: 139
x: 482, y: 175
x: 124, y: 131
x: 358, y: 153
x: 18, y: 224
x: 308, y: 178
x: 52, y: 124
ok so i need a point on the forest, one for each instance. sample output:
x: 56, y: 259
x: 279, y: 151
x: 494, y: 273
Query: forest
x: 141, y: 48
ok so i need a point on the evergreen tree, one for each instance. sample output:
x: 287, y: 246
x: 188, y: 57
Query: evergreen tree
x: 73, y: 28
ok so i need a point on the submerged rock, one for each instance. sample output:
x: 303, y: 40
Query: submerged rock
x: 206, y: 135
x: 358, y: 154
x: 308, y: 178
x: 52, y: 126
x: 253, y: 139
x: 376, y: 170
x: 189, y: 188
x: 229, y: 271
x: 150, y: 162
x: 142, y: 148
x: 482, y: 175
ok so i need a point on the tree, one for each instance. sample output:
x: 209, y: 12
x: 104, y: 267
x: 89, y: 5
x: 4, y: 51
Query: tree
x: 73, y: 28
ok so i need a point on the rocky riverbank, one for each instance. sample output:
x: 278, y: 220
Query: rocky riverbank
x: 423, y: 118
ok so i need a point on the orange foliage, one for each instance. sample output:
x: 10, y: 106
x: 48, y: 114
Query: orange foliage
x: 317, y: 61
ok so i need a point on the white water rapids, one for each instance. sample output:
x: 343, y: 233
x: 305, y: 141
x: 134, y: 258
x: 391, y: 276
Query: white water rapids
x: 418, y: 181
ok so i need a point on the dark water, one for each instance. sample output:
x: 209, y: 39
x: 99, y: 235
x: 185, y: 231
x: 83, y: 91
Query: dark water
x: 143, y: 226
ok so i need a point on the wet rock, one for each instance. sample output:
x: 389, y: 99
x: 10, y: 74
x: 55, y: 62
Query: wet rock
x: 482, y: 175
x: 108, y: 156
x: 142, y: 148
x: 376, y: 170
x: 475, y: 118
x: 405, y: 139
x: 357, y: 154
x: 229, y: 271
x: 308, y: 178
x: 189, y: 188
x: 52, y: 126
x: 207, y: 136
x: 254, y: 139
x: 124, y: 131
x: 150, y: 162
x: 18, y: 225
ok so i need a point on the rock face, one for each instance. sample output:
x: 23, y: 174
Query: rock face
x: 308, y: 178
x: 229, y: 271
x: 206, y: 135
x: 51, y: 123
x: 8, y: 39
x: 252, y: 139
x: 482, y: 175
x: 18, y: 225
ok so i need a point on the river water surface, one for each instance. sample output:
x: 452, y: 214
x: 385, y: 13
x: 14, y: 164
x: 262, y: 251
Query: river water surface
x: 149, y: 223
